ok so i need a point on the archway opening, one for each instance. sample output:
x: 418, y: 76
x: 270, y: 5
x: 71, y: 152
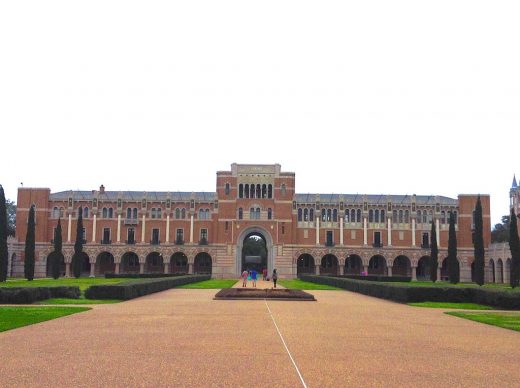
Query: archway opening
x: 105, y: 263
x: 85, y: 264
x: 202, y: 263
x: 154, y: 263
x: 444, y: 270
x: 492, y: 274
x: 402, y: 266
x: 48, y: 269
x: 305, y: 264
x: 423, y: 268
x: 353, y: 265
x: 329, y: 265
x: 130, y: 263
x: 377, y: 265
x: 500, y: 271
x: 254, y: 252
x: 179, y: 263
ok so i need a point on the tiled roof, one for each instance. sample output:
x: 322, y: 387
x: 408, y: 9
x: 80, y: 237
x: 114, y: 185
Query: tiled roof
x: 135, y: 196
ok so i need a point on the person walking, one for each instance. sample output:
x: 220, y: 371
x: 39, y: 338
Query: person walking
x: 275, y: 277
x: 244, y: 278
x: 264, y: 274
x: 253, y: 277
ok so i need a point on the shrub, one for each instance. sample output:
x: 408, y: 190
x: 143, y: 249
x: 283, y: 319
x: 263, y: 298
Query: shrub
x: 26, y: 295
x: 131, y: 290
x: 142, y: 275
x: 377, y: 278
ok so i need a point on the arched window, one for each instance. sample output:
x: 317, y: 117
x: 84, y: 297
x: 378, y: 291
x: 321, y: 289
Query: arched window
x: 246, y: 191
x: 135, y: 213
x: 401, y: 216
x: 353, y: 215
x: 55, y: 212
x: 419, y: 215
x: 455, y: 215
x: 201, y: 214
x: 128, y: 213
x: 430, y: 216
x: 270, y: 191
x: 62, y: 211
x: 311, y: 215
x: 376, y: 216
x: 306, y: 214
x: 425, y: 217
x: 347, y: 215
x: 241, y: 191
x: 227, y: 189
x: 335, y: 215
x: 329, y: 215
x: 85, y: 212
x: 443, y: 217
x: 283, y: 190
x: 177, y: 213
x: 383, y: 215
x: 183, y: 213
x: 208, y: 215
x: 264, y: 191
x: 257, y: 213
x: 269, y: 214
x: 300, y: 214
x: 406, y: 217
x: 252, y: 213
x: 394, y: 216
x: 258, y: 191
x: 358, y: 215
x: 104, y: 212
x: 323, y: 215
x: 370, y: 215
x: 240, y: 213
x: 110, y: 212
x: 153, y: 212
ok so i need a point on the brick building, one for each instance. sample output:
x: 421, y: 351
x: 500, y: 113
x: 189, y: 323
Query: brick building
x: 197, y: 232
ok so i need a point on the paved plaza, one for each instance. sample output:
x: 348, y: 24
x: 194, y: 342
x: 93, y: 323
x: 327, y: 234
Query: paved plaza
x: 183, y: 337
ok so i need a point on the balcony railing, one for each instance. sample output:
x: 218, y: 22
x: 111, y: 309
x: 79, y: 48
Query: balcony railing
x: 131, y: 221
x: 377, y: 245
x: 131, y: 242
x: 329, y: 244
x: 106, y: 242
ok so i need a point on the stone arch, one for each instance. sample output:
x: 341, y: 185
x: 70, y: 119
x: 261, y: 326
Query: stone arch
x: 377, y: 265
x: 402, y: 266
x: 423, y: 268
x: 179, y: 263
x: 329, y: 265
x: 492, y: 271
x: 271, y: 261
x: 202, y: 264
x: 305, y: 264
x: 353, y: 265
x: 499, y: 271
x: 130, y: 262
x: 105, y: 263
x: 154, y: 263
x: 85, y: 264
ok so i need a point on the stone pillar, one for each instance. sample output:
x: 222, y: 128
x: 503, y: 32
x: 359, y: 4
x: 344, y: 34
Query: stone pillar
x: 317, y: 230
x: 389, y: 270
x: 92, y: 270
x: 167, y: 229
x: 438, y: 228
x: 94, y: 229
x: 67, y: 270
x: 190, y: 268
x: 141, y: 268
x: 341, y: 231
x: 438, y: 273
x: 69, y: 229
x: 365, y: 231
x: 119, y: 228
x: 413, y: 232
x: 191, y: 229
x: 341, y: 269
x: 414, y: 273
x: 390, y: 232
x: 317, y: 269
x: 365, y: 269
x: 166, y: 269
x: 117, y: 268
x: 143, y: 228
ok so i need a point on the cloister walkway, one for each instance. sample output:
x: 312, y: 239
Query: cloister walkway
x: 183, y: 337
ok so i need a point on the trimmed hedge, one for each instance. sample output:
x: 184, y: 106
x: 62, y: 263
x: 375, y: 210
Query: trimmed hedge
x: 27, y: 295
x: 378, y: 278
x: 142, y: 275
x: 405, y: 293
x: 132, y: 289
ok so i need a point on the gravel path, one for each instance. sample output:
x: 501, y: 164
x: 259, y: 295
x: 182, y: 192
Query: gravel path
x: 183, y: 337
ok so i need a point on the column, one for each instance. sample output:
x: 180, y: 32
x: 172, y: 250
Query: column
x: 414, y: 273
x: 117, y: 268
x: 166, y: 265
x: 389, y: 221
x: 143, y: 227
x: 191, y: 229
x: 141, y: 268
x: 317, y: 269
x: 413, y: 232
x: 94, y: 229
x: 190, y: 268
x: 365, y: 269
x: 341, y: 231
x: 438, y: 228
x: 318, y: 231
x: 365, y: 231
x: 438, y: 273
x: 167, y: 229
x: 342, y: 269
x: 92, y: 270
x: 67, y: 270
x: 119, y: 228
x: 69, y: 229
x: 389, y: 270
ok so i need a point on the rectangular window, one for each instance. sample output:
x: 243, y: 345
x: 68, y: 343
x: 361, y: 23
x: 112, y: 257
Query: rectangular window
x: 84, y: 234
x: 130, y: 235
x: 377, y: 239
x: 106, y: 236
x: 330, y: 238
x: 180, y: 236
x: 155, y: 236
x: 204, y: 235
x: 425, y: 240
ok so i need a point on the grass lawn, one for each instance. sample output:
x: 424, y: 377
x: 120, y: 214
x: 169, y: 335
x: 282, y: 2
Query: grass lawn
x: 297, y: 284
x: 13, y: 317
x: 447, y: 305
x: 506, y: 320
x: 211, y: 284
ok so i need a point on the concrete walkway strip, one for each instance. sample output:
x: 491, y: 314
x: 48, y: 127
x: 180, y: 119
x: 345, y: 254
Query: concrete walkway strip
x: 285, y: 345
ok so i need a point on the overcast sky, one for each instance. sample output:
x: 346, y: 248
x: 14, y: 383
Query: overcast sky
x: 396, y: 97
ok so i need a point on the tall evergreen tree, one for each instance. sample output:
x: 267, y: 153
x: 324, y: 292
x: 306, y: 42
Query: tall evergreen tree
x: 30, y: 246
x: 434, y: 255
x: 4, y: 254
x: 514, y: 246
x: 453, y: 263
x: 57, y: 254
x: 478, y: 245
x: 78, y: 246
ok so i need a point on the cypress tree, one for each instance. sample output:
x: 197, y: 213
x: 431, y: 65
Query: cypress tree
x: 3, y: 237
x: 453, y: 263
x: 78, y: 246
x: 30, y: 246
x: 57, y: 254
x: 514, y: 246
x: 434, y: 255
x: 478, y: 244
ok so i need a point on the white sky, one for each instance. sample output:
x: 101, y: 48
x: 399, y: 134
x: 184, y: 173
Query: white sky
x: 396, y: 97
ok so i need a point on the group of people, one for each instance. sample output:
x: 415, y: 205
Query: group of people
x: 252, y: 275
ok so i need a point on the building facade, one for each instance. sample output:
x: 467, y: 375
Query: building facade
x: 204, y: 232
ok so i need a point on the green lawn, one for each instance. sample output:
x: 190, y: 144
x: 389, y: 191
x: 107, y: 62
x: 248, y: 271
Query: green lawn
x: 297, y: 284
x: 448, y: 305
x: 13, y: 317
x: 211, y: 284
x: 506, y: 320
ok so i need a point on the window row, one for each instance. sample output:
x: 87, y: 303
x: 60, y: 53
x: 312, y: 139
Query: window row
x: 255, y: 191
x: 254, y: 213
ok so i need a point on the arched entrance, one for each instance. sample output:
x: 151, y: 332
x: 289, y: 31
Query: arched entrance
x: 85, y: 264
x: 353, y: 265
x: 444, y: 269
x: 105, y: 263
x: 265, y: 239
x: 329, y: 265
x: 402, y: 266
x: 423, y: 268
x: 130, y: 263
x: 202, y: 263
x: 500, y: 271
x: 305, y: 264
x: 154, y: 263
x: 179, y: 263
x: 377, y: 265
